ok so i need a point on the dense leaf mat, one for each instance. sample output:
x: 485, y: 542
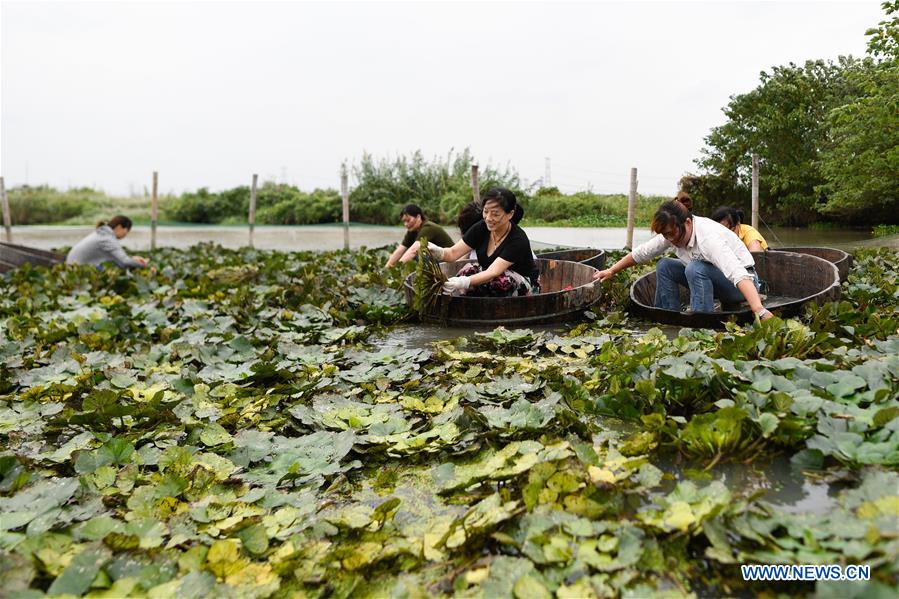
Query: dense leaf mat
x: 231, y: 425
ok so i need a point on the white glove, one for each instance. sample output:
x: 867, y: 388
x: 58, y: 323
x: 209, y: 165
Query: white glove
x: 435, y: 250
x: 454, y: 284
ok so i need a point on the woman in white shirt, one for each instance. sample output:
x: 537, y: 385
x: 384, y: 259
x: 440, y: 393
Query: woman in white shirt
x: 711, y: 262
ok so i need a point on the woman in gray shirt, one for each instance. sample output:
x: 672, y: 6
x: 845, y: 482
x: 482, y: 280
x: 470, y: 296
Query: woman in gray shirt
x: 103, y: 246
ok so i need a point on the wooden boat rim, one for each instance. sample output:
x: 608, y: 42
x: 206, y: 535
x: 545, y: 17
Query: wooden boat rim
x: 799, y: 249
x: 24, y: 249
x: 726, y: 313
x: 408, y: 283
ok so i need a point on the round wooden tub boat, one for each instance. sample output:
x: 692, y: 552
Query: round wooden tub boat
x: 841, y: 259
x: 13, y: 256
x: 589, y: 256
x: 567, y: 289
x: 790, y: 281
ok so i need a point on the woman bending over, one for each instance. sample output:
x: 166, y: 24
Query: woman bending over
x: 103, y: 245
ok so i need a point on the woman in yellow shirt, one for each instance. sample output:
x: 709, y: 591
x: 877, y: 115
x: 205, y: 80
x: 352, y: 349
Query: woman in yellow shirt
x: 732, y: 218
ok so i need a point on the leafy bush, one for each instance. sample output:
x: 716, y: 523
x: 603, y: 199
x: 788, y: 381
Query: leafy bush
x: 320, y: 206
x: 275, y: 204
x: 585, y: 209
x: 43, y: 204
x: 885, y: 230
x: 204, y: 207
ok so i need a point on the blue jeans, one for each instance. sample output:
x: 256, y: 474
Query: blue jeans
x: 704, y: 280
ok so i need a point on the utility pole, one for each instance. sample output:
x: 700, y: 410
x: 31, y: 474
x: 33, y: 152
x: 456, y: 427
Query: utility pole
x: 546, y: 178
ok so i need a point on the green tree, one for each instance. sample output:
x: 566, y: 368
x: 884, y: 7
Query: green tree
x: 783, y: 120
x: 883, y: 41
x: 860, y: 164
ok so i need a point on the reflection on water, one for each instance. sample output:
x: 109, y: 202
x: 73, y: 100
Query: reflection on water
x: 794, y: 492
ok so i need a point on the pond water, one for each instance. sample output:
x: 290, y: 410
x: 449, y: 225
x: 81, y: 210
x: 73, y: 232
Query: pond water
x: 330, y: 237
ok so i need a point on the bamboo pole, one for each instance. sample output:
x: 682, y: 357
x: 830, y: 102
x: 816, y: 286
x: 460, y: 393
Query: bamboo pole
x: 7, y: 221
x: 475, y: 185
x: 345, y: 197
x: 252, y: 216
x: 154, y: 210
x: 631, y: 208
x: 755, y: 191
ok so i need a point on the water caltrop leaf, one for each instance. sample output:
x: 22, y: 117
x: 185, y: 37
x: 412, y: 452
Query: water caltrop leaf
x: 679, y: 516
x: 81, y: 571
x: 254, y: 539
x: 529, y: 587
x: 224, y: 558
x: 214, y: 434
x: 847, y: 385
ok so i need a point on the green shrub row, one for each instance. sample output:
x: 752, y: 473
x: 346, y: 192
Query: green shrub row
x: 276, y: 204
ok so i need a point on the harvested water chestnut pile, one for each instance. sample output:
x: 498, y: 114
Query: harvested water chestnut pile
x: 231, y: 425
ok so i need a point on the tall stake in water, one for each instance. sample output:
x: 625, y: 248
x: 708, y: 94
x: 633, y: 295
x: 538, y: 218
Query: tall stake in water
x: 7, y: 223
x: 345, y: 197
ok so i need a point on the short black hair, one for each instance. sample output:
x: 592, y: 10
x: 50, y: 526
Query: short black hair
x: 413, y: 210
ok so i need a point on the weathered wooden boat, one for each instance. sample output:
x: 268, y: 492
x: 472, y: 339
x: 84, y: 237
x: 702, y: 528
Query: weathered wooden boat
x: 841, y: 259
x: 589, y: 256
x: 790, y: 281
x: 567, y: 289
x: 13, y: 256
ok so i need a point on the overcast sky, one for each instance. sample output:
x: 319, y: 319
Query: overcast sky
x: 207, y: 93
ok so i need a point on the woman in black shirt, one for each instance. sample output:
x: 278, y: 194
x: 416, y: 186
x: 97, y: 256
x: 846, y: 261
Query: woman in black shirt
x: 505, y: 265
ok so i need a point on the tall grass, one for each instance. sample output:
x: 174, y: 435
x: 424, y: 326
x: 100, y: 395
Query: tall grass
x: 83, y: 205
x: 441, y: 186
